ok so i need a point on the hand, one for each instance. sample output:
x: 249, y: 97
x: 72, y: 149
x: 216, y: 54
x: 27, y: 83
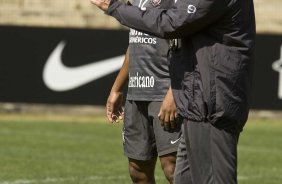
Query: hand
x: 114, y: 107
x: 102, y: 4
x: 168, y: 115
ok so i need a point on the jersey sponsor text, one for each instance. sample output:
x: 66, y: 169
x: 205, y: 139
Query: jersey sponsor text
x: 139, y: 37
x: 141, y: 81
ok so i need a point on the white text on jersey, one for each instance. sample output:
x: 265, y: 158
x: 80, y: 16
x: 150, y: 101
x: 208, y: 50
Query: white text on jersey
x: 141, y: 81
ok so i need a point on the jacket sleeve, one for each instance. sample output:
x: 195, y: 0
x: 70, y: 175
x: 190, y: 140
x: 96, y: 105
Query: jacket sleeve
x: 183, y: 19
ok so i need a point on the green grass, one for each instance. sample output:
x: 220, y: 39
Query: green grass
x: 260, y: 152
x: 66, y: 152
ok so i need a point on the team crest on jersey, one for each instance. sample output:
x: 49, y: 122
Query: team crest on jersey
x: 156, y: 2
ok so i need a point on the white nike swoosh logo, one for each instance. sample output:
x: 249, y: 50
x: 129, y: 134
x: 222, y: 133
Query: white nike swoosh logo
x: 173, y: 142
x: 59, y: 77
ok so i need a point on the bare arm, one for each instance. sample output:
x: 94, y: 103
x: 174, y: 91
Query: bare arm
x: 114, y: 103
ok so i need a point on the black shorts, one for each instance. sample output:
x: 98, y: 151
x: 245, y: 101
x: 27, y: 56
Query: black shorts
x: 143, y: 136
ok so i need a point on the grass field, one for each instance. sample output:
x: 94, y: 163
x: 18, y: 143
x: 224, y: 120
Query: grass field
x: 34, y: 151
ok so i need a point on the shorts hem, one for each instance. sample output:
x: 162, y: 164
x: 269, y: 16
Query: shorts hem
x: 165, y: 152
x: 135, y: 157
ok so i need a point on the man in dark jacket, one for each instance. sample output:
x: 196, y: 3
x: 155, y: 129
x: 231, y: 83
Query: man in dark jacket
x: 210, y: 74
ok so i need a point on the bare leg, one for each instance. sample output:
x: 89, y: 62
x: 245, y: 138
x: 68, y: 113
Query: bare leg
x: 168, y: 165
x: 142, y: 172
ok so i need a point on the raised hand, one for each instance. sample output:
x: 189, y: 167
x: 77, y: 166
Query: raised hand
x: 102, y: 4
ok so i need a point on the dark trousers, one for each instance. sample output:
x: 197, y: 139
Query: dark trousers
x: 206, y: 155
